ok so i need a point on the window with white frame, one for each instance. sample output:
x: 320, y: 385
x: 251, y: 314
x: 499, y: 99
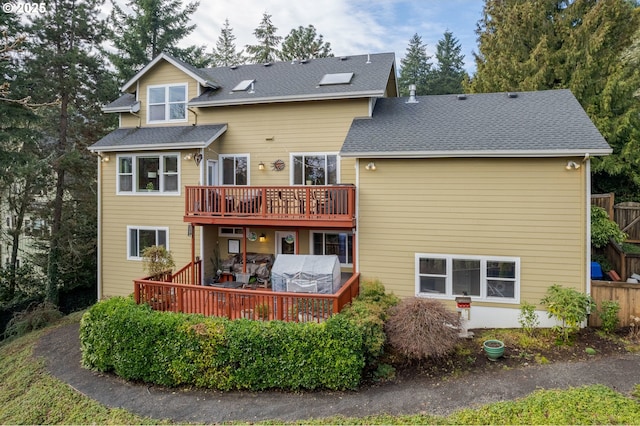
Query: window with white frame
x: 148, y: 173
x: 234, y: 169
x: 329, y: 242
x: 141, y: 237
x: 167, y: 103
x: 314, y: 169
x: 481, y: 277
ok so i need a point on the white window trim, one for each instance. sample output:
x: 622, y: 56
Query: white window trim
x: 167, y: 109
x: 221, y: 158
x: 333, y: 231
x: 161, y: 173
x: 143, y: 228
x: 292, y: 156
x: 237, y: 232
x: 483, y: 277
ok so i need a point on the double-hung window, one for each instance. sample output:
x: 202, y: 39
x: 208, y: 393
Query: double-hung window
x: 167, y: 103
x: 314, y: 169
x: 338, y: 243
x: 141, y: 237
x: 489, y: 278
x: 148, y: 173
x: 234, y: 169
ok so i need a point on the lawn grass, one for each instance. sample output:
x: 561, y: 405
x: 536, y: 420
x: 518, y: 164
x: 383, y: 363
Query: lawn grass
x: 29, y: 395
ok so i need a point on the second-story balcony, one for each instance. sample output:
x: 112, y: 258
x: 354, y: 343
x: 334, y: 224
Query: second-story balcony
x: 330, y: 206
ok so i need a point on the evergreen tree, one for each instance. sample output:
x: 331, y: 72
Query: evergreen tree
x: 225, y: 54
x: 415, y: 67
x: 583, y: 46
x: 153, y: 27
x: 62, y: 61
x: 304, y: 43
x: 267, y: 48
x: 448, y: 76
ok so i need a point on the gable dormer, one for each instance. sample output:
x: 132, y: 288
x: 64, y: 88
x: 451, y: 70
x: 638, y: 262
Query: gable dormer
x: 159, y: 93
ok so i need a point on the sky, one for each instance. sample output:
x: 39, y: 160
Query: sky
x: 351, y: 26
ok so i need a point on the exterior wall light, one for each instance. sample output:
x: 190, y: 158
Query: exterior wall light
x: 572, y: 165
x: 261, y: 166
x: 262, y: 238
x: 104, y: 159
x: 371, y: 166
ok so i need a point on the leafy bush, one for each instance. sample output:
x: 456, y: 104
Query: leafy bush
x: 368, y: 312
x: 604, y: 229
x: 528, y: 318
x: 422, y: 328
x: 32, y: 318
x: 179, y: 349
x: 157, y: 260
x: 608, y: 314
x: 568, y: 306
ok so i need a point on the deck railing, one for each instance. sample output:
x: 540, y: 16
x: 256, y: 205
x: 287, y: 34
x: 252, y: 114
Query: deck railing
x: 271, y: 202
x: 244, y: 303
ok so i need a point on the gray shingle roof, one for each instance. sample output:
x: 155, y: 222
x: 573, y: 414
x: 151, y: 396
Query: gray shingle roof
x: 123, y: 103
x: 299, y: 81
x: 544, y: 123
x: 147, y: 138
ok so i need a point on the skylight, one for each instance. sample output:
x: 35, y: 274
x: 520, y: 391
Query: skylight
x: 337, y: 78
x: 242, y: 86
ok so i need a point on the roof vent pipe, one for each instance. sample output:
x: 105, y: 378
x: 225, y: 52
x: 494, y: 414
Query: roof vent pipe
x: 368, y: 58
x: 412, y: 94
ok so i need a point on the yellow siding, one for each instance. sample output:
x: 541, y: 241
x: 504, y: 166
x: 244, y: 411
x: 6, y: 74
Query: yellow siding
x: 533, y: 209
x: 120, y: 211
x: 294, y: 127
x: 165, y: 73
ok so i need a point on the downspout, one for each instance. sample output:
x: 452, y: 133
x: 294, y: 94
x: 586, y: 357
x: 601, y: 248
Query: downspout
x: 587, y: 171
x: 99, y: 239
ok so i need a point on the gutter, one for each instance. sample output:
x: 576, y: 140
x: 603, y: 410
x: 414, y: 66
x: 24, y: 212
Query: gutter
x: 299, y: 98
x: 478, y: 154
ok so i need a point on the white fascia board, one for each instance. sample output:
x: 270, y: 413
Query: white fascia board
x: 296, y: 98
x: 173, y: 62
x: 479, y: 154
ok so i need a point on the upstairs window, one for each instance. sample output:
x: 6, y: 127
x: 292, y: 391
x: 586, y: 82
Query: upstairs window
x: 315, y: 169
x: 234, y: 170
x: 167, y: 103
x: 148, y: 174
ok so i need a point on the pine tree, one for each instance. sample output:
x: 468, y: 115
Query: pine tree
x: 153, y: 27
x: 225, y: 54
x: 414, y: 67
x: 63, y: 60
x: 449, y: 74
x: 579, y: 45
x: 267, y: 48
x: 304, y: 43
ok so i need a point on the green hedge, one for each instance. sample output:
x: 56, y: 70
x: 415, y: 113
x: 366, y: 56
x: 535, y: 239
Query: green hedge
x: 170, y: 349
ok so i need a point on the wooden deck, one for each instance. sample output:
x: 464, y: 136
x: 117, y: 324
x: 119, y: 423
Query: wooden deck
x: 331, y: 206
x: 257, y: 304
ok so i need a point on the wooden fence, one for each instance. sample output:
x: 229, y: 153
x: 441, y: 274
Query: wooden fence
x: 627, y: 295
x: 627, y: 216
x: 606, y: 201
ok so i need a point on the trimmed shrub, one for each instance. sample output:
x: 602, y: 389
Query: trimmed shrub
x: 422, y: 328
x: 368, y: 312
x: 179, y: 349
